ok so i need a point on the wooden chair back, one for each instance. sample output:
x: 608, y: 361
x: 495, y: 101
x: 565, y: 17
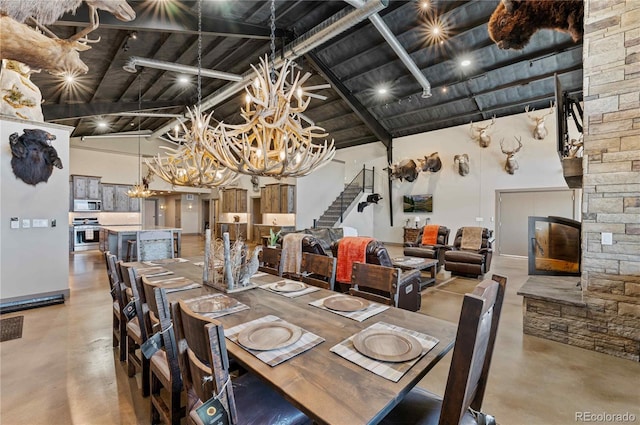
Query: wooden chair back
x: 473, y: 349
x: 203, y: 358
x: 148, y: 289
x: 117, y: 292
x: 271, y: 261
x: 142, y: 311
x: 375, y: 283
x: 168, y: 336
x: 155, y: 245
x: 318, y: 270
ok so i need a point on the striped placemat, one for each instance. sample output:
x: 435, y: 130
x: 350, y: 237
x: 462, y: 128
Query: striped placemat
x: 388, y: 370
x: 360, y: 315
x: 307, y: 341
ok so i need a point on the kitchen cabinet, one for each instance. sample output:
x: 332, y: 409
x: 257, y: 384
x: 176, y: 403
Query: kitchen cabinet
x: 236, y: 230
x: 262, y: 230
x: 116, y: 199
x: 86, y: 187
x: 234, y: 200
x: 278, y: 198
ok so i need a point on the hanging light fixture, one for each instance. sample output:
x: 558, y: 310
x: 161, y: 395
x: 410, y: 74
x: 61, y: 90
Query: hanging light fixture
x: 191, y: 164
x: 141, y: 188
x: 276, y: 140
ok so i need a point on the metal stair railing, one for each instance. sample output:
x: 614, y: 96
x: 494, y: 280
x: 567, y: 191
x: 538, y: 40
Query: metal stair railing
x: 363, y: 181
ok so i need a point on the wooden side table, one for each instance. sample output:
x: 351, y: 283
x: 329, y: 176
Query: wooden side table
x: 411, y: 234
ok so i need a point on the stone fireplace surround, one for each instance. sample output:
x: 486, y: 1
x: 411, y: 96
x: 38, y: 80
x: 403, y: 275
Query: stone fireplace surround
x: 604, y: 314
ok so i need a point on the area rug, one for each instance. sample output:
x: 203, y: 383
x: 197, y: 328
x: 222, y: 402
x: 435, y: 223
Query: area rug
x: 11, y: 328
x: 458, y: 285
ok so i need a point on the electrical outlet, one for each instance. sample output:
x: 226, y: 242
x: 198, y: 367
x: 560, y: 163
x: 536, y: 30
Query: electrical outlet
x: 26, y: 223
x: 607, y: 238
x: 479, y: 219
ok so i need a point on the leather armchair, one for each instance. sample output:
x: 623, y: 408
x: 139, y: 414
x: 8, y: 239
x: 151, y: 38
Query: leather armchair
x: 319, y: 240
x: 435, y: 252
x: 408, y: 283
x: 469, y: 262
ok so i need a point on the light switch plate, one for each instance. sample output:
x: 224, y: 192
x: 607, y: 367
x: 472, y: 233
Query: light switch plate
x: 26, y: 223
x: 479, y: 219
x: 607, y: 238
x: 40, y: 222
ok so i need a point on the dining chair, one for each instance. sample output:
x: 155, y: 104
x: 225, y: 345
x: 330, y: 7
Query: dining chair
x: 117, y: 294
x: 165, y: 371
x: 138, y: 328
x: 155, y: 245
x: 204, y: 365
x: 385, y: 285
x: 469, y: 370
x: 271, y: 261
x: 318, y: 270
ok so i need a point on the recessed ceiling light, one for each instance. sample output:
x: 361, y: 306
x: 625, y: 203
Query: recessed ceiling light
x: 465, y: 62
x: 424, y: 4
x: 69, y: 78
x: 435, y: 30
x: 183, y: 79
x: 102, y: 124
x: 444, y: 90
x: 382, y: 90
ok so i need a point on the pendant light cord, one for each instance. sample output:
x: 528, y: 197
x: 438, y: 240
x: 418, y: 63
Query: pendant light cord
x: 272, y: 38
x: 199, y: 53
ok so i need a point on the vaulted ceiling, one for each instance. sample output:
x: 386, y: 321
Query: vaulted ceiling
x: 355, y: 62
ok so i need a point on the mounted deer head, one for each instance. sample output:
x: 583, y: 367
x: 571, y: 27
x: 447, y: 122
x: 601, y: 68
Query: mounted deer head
x: 539, y: 131
x: 511, y: 165
x: 481, y: 134
x: 462, y: 164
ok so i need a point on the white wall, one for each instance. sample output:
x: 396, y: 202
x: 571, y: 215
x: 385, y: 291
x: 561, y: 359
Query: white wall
x: 458, y: 200
x: 315, y: 192
x: 34, y: 261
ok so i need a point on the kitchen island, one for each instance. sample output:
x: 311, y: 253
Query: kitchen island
x: 116, y: 238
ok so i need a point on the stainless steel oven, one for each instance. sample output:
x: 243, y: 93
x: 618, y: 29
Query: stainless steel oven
x: 86, y: 234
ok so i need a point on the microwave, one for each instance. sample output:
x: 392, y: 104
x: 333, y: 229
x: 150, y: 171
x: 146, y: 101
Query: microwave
x: 87, y: 205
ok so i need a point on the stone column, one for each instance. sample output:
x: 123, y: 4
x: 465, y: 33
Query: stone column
x: 611, y: 182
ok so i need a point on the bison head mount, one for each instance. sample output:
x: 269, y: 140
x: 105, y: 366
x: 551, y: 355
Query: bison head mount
x: 33, y: 157
x: 514, y: 21
x: 431, y: 163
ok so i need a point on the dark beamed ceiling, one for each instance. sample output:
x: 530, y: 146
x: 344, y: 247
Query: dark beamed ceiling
x: 235, y: 34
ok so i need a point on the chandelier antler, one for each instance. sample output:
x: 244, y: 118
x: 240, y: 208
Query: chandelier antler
x: 273, y: 141
x: 191, y: 164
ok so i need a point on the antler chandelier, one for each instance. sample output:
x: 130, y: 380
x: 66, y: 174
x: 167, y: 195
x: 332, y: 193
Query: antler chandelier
x: 191, y: 164
x: 273, y: 141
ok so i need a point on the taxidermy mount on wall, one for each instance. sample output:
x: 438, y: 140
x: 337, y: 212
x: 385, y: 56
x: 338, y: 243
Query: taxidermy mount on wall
x: 514, y: 21
x: 431, y: 163
x: 33, y: 156
x: 406, y: 169
x: 462, y: 164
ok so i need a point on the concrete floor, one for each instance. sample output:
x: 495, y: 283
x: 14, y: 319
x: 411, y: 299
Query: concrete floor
x: 64, y: 370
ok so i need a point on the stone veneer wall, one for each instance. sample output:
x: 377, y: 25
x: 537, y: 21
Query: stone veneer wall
x: 611, y: 182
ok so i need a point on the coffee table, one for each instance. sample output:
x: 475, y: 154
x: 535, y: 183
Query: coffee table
x: 418, y: 263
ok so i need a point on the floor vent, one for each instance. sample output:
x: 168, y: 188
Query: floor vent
x: 11, y: 328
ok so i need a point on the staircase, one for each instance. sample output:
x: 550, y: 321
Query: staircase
x: 335, y: 213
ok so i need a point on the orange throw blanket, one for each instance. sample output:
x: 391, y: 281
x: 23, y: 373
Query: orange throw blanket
x: 351, y: 249
x: 430, y: 234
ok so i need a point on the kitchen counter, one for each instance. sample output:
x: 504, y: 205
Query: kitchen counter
x: 117, y: 237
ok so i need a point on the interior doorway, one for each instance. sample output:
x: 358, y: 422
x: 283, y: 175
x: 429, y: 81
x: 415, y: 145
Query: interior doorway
x: 256, y: 218
x: 206, y: 215
x: 514, y: 207
x: 177, y: 214
x: 150, y: 213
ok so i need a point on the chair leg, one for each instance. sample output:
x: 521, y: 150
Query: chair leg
x: 131, y: 357
x: 176, y: 409
x: 146, y: 380
x: 123, y: 341
x: 156, y: 386
x: 116, y: 330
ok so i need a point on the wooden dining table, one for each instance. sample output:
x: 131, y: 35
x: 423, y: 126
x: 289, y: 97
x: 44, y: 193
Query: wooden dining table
x: 325, y: 386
